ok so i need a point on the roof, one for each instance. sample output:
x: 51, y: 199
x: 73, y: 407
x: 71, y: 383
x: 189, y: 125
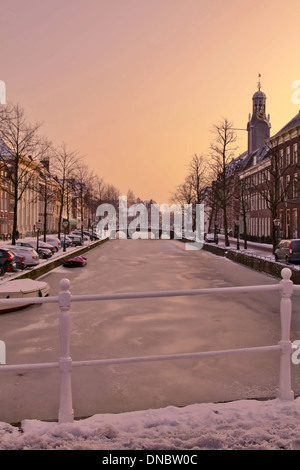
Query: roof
x: 259, y: 94
x: 260, y: 154
x: 292, y: 123
x: 236, y: 163
x: 5, y: 151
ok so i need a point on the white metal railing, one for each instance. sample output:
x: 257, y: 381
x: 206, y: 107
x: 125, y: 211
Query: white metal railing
x: 65, y: 363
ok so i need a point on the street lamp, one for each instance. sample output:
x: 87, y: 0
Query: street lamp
x: 277, y: 224
x: 65, y: 225
x: 37, y: 227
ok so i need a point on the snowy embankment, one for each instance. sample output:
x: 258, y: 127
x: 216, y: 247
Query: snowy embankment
x: 9, y: 276
x: 240, y: 425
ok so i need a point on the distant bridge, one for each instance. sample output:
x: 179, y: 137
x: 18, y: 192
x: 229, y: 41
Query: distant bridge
x: 133, y: 233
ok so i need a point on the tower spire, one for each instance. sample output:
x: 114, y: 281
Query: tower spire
x: 259, y: 82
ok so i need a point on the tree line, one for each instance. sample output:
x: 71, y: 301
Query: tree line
x: 26, y: 153
x: 215, y: 180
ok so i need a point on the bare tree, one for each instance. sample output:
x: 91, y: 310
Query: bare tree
x: 183, y: 193
x: 83, y: 185
x: 65, y: 163
x: 193, y: 189
x: 20, y: 163
x: 222, y: 166
x: 274, y: 182
x: 47, y: 188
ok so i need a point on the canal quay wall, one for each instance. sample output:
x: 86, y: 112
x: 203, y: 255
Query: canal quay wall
x: 256, y: 262
x: 38, y: 271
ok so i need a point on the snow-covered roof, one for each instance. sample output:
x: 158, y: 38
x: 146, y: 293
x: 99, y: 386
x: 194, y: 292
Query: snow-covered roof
x: 5, y: 151
x: 295, y: 121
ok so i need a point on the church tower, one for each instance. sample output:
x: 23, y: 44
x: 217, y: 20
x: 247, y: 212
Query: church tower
x: 258, y: 126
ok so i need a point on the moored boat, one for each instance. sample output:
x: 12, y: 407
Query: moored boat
x: 21, y: 289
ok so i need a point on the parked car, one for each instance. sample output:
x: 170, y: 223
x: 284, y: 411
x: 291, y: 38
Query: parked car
x: 68, y: 241
x: 7, y: 261
x: 54, y: 241
x: 42, y: 252
x: 42, y: 244
x: 20, y: 262
x: 76, y: 240
x: 211, y: 238
x: 31, y: 257
x: 288, y: 251
x: 77, y: 233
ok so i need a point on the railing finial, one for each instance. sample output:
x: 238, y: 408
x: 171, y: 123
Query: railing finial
x: 286, y: 274
x: 64, y: 284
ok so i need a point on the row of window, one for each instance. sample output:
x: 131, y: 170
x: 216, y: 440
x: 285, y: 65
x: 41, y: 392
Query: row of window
x: 287, y: 157
x: 261, y: 226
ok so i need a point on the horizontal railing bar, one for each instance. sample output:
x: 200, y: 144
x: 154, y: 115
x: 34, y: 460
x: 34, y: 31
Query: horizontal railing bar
x: 167, y: 357
x: 29, y: 300
x: 144, y: 295
x: 42, y: 365
x: 127, y: 360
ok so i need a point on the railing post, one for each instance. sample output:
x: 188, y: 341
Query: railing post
x: 66, y: 413
x: 285, y: 387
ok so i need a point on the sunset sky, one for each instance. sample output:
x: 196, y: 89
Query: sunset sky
x: 136, y: 85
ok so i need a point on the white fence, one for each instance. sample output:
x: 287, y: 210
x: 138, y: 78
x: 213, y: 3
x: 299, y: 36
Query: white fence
x: 65, y: 363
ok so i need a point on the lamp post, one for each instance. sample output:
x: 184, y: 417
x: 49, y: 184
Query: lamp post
x: 277, y: 224
x: 65, y: 225
x: 37, y: 227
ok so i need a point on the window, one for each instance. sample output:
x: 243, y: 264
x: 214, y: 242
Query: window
x: 287, y: 185
x: 295, y: 186
x: 281, y: 186
x: 295, y: 223
x: 288, y: 224
x: 280, y: 158
x: 288, y: 156
x: 295, y: 153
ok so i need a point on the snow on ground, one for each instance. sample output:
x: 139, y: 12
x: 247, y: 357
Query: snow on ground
x: 239, y: 425
x: 9, y: 276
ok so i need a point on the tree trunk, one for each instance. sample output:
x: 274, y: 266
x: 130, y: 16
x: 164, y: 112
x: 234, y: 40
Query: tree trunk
x: 245, y: 229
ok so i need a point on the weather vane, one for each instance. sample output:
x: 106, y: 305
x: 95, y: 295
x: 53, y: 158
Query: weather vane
x: 259, y: 82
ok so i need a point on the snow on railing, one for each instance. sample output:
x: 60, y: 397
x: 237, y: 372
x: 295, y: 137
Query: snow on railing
x: 65, y: 363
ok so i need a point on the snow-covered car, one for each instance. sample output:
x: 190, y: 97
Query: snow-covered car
x: 31, y: 257
x: 76, y: 240
x: 42, y: 244
x: 54, y: 241
x: 66, y: 239
x: 42, y: 252
x: 77, y: 233
x: 211, y: 238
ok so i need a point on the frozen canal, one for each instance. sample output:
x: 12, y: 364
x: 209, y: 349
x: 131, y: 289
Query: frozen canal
x: 146, y: 327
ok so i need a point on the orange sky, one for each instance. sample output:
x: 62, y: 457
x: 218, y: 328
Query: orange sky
x: 136, y: 85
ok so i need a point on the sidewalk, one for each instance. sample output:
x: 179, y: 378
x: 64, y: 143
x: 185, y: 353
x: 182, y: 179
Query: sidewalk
x: 261, y: 249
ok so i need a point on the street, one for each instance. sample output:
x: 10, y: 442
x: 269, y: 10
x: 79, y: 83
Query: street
x: 126, y: 328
